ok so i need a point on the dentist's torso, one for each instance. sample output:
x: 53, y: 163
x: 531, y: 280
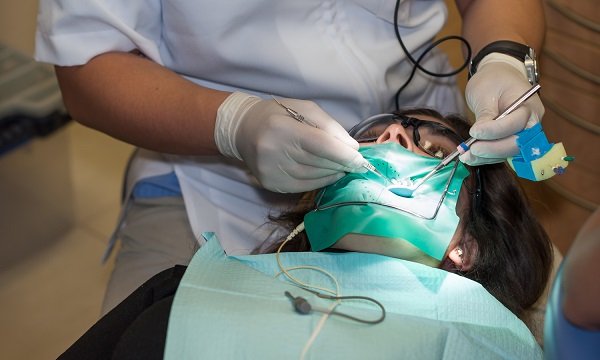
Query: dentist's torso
x: 341, y: 54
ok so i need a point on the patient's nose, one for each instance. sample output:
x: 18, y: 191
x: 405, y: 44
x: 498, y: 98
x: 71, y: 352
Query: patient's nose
x: 398, y: 134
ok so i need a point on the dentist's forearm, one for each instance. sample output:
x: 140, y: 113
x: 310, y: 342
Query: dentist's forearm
x: 486, y: 21
x: 138, y: 101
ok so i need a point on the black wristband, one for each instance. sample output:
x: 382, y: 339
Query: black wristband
x: 518, y: 51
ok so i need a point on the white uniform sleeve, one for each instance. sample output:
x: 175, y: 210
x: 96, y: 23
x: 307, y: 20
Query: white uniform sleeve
x: 71, y: 32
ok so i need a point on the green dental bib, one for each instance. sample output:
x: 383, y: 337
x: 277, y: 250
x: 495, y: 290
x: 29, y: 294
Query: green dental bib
x: 418, y: 228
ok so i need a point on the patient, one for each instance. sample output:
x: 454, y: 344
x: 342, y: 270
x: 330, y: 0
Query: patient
x: 498, y: 242
x: 494, y: 240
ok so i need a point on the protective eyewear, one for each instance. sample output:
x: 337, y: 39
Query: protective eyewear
x: 431, y: 137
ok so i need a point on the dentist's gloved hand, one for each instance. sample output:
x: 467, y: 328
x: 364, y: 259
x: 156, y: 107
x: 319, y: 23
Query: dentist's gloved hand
x: 500, y: 79
x: 284, y: 154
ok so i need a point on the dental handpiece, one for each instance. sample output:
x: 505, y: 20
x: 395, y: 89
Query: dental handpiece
x: 298, y: 117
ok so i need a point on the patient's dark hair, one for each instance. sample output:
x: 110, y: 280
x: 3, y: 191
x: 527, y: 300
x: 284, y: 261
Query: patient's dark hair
x: 513, y: 254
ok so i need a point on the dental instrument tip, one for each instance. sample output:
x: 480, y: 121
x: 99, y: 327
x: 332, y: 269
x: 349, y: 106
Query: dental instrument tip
x: 374, y: 170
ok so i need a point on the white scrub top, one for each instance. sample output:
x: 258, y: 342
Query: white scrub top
x: 341, y: 54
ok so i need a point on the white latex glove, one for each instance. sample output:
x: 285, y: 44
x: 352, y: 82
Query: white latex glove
x: 500, y: 79
x: 284, y: 154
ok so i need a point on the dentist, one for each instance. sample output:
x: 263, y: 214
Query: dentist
x: 189, y: 83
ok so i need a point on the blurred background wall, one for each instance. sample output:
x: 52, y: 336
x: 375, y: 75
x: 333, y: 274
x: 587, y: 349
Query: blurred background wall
x: 17, y: 24
x: 570, y: 79
x: 59, y: 200
x: 35, y: 183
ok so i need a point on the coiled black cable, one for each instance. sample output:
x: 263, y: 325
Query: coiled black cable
x: 431, y: 46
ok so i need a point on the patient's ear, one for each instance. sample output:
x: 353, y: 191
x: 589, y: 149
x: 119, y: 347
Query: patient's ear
x: 464, y: 255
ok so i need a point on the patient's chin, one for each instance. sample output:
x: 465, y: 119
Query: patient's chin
x: 392, y: 247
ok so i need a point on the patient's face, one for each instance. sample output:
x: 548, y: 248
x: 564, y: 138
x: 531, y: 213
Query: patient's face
x: 429, y: 142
